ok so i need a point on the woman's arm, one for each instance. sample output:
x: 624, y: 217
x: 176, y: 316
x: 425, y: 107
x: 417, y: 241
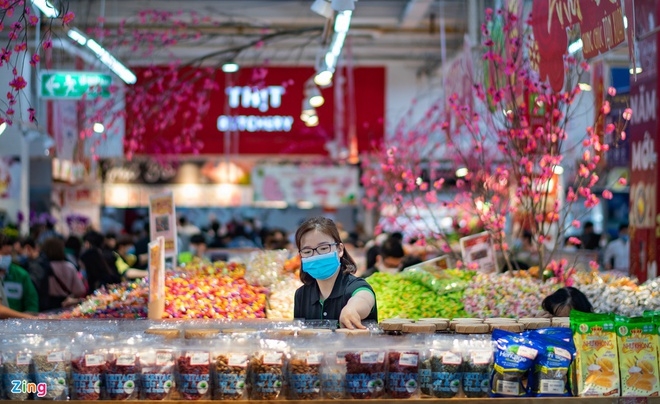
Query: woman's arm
x: 358, y: 307
x: 6, y: 312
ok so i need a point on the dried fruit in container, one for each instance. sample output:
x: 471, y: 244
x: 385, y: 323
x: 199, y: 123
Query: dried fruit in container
x: 638, y: 356
x: 194, y: 374
x: 477, y: 366
x: 230, y: 360
x: 87, y: 367
x: 52, y: 369
x: 157, y: 365
x: 403, y: 373
x: 122, y: 373
x: 267, y: 369
x: 446, y: 372
x: 513, y: 358
x: 597, y: 360
x: 16, y: 361
x: 365, y: 373
x: 304, y: 373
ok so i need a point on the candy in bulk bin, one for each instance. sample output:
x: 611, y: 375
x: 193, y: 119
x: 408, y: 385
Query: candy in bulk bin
x: 280, y: 299
x: 265, y: 268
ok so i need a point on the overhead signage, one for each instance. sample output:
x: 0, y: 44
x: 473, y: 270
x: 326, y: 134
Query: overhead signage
x: 261, y: 112
x: 74, y: 85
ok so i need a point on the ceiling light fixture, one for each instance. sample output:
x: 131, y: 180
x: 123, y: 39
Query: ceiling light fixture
x: 584, y: 86
x: 77, y: 36
x: 47, y: 8
x: 3, y: 127
x: 113, y: 64
x: 461, y: 172
x: 313, y: 94
x: 637, y: 70
x: 98, y: 127
x: 323, y: 78
x: 230, y: 67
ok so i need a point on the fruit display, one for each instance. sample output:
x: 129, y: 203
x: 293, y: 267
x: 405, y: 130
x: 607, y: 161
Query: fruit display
x: 399, y: 296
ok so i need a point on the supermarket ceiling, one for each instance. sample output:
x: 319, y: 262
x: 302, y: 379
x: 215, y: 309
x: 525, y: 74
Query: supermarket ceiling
x: 277, y: 31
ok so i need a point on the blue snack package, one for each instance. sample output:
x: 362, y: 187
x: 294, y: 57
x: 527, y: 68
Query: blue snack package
x: 514, y: 357
x: 550, y: 375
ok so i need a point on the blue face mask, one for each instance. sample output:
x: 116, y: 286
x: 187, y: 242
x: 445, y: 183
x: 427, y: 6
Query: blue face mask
x: 321, y: 267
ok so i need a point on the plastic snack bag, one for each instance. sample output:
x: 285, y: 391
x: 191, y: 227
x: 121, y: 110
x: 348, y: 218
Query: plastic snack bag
x: 514, y: 357
x: 194, y: 373
x: 403, y: 373
x: 550, y: 375
x: 230, y: 361
x: 157, y: 364
x: 597, y: 360
x: 52, y: 369
x: 477, y: 366
x: 267, y: 368
x: 122, y: 373
x: 638, y: 356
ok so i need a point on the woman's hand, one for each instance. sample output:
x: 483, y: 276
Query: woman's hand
x: 357, y: 308
x: 350, y: 318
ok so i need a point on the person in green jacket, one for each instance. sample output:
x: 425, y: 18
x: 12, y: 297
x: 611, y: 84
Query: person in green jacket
x: 18, y: 292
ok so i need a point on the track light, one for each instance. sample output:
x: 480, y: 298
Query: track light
x: 312, y: 121
x: 313, y: 94
x: 3, y: 127
x: 47, y: 8
x: 98, y: 127
x: 77, y: 36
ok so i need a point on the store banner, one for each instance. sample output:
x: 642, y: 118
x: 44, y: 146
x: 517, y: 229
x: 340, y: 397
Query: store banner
x: 10, y: 178
x: 643, y: 135
x: 162, y: 220
x: 601, y: 27
x: 185, y: 195
x: 619, y: 153
x: 262, y: 116
x: 478, y: 250
x: 306, y: 186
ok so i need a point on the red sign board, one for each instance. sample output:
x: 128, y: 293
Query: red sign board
x: 644, y: 174
x: 263, y: 114
x: 601, y: 28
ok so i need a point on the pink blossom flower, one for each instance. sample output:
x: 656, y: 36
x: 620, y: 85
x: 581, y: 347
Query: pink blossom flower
x: 607, y: 194
x: 68, y: 18
x: 576, y: 224
x: 622, y: 181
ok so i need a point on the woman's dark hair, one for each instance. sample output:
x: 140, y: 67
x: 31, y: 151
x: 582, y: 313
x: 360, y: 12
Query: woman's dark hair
x: 53, y: 249
x: 327, y: 227
x: 74, y: 244
x: 568, y: 296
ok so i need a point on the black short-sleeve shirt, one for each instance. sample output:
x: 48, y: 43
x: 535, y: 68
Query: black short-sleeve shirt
x: 308, y: 305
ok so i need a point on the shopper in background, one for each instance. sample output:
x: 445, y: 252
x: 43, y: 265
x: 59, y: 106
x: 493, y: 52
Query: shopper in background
x: 6, y: 312
x: 95, y: 264
x: 562, y: 301
x: 198, y: 250
x: 330, y: 291
x: 142, y: 246
x: 240, y: 238
x: 29, y: 253
x: 276, y: 239
x: 590, y: 240
x: 125, y: 259
x: 72, y: 248
x: 18, y: 289
x: 617, y: 252
x: 62, y: 284
x: 389, y: 258
x: 185, y: 231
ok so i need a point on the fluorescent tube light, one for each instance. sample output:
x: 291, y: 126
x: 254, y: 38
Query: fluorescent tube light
x: 343, y: 21
x: 77, y: 36
x: 107, y: 59
x: 575, y: 46
x: 47, y: 8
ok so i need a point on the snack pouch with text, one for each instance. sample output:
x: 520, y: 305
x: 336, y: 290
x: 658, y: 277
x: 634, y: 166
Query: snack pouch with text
x: 550, y: 375
x: 638, y: 356
x: 597, y: 360
x: 514, y: 357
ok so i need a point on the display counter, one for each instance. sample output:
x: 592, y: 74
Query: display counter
x: 531, y: 400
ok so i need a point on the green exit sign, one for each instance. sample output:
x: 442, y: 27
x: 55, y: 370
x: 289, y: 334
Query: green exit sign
x: 74, y: 85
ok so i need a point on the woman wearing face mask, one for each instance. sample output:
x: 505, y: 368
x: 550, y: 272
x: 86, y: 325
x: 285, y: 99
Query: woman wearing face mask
x: 330, y: 291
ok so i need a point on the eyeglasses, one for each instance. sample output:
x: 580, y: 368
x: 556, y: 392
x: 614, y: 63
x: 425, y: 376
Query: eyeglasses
x: 320, y: 250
